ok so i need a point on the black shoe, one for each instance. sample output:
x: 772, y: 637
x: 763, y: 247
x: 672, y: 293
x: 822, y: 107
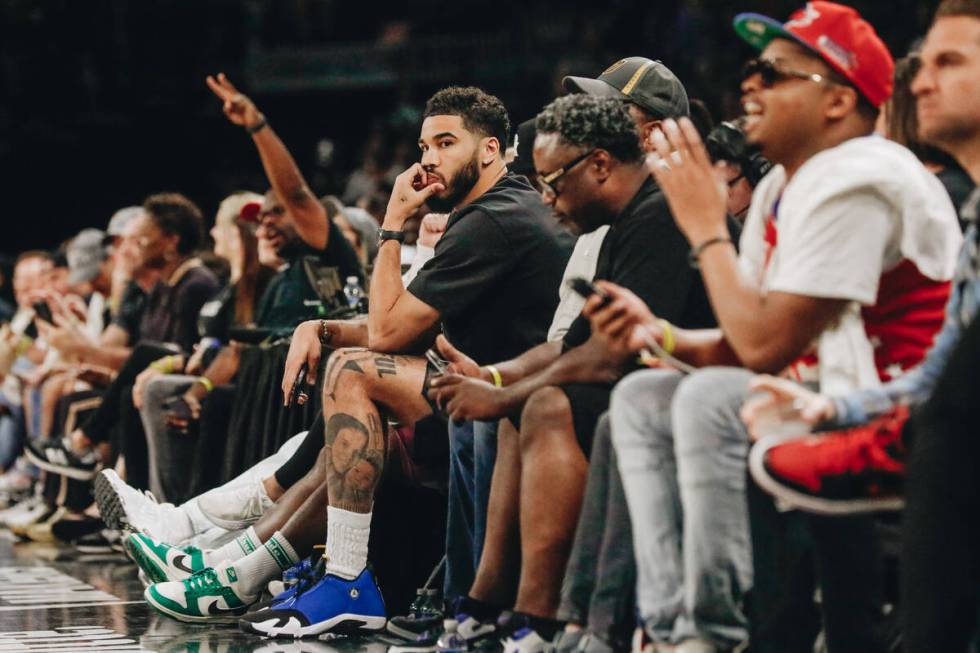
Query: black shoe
x: 97, y: 542
x: 70, y: 530
x: 53, y: 456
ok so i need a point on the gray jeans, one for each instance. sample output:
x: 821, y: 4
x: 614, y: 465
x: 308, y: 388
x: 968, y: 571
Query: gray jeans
x: 169, y: 454
x: 600, y: 580
x: 682, y: 449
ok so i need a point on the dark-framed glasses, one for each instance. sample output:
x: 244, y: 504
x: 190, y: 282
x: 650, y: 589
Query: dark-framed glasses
x: 547, y: 182
x: 771, y: 73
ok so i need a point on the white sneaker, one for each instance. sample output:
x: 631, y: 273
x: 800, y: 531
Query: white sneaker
x: 124, y: 507
x: 14, y: 512
x: 527, y: 640
x: 236, y: 507
x: 696, y: 645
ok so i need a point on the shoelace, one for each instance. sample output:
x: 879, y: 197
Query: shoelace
x: 309, y: 577
x: 202, y: 579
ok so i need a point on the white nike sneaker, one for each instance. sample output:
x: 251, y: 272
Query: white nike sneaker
x: 236, y: 507
x: 123, y: 507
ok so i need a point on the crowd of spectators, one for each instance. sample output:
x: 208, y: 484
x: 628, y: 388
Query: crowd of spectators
x: 676, y: 386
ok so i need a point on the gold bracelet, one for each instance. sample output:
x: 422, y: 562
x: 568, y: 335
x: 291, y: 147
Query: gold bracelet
x: 498, y: 380
x: 206, y: 382
x: 668, y: 335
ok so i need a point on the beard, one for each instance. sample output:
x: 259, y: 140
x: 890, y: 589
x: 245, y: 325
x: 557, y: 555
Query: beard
x: 456, y: 188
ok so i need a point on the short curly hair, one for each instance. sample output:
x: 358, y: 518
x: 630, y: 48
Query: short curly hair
x: 481, y: 112
x: 590, y: 121
x: 173, y: 213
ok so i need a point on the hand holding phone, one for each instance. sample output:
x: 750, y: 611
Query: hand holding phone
x: 586, y: 289
x: 296, y: 395
x: 438, y: 362
x: 43, y: 311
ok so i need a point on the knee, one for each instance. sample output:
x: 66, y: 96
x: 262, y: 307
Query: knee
x: 639, y: 401
x: 705, y: 409
x: 345, y: 371
x: 545, y: 411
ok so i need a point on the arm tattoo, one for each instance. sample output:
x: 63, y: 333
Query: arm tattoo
x: 385, y: 365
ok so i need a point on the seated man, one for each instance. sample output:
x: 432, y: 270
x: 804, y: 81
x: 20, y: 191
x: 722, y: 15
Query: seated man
x: 491, y: 286
x: 865, y: 469
x: 804, y: 293
x: 554, y: 393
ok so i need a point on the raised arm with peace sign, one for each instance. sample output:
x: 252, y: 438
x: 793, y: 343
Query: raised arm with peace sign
x: 239, y: 108
x: 287, y: 181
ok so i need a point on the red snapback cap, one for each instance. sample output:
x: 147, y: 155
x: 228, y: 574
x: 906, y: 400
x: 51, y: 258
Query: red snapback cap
x: 838, y: 35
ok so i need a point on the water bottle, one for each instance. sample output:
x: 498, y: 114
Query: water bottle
x: 354, y: 294
x: 426, y: 604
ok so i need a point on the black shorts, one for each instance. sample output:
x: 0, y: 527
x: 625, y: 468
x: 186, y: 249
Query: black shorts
x: 588, y: 402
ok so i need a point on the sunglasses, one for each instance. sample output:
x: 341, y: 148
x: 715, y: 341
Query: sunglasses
x: 771, y: 74
x: 546, y: 183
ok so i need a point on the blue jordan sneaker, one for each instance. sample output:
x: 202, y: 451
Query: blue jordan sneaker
x: 332, y: 604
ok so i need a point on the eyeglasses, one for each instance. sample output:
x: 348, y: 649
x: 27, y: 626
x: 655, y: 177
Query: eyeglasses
x: 547, y: 182
x: 771, y: 74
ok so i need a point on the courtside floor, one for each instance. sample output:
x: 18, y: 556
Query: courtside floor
x: 53, y: 599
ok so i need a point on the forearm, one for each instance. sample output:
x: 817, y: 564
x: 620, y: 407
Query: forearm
x: 345, y: 333
x: 532, y: 361
x: 111, y: 356
x: 703, y: 347
x: 588, y: 363
x: 288, y: 183
x: 386, y: 289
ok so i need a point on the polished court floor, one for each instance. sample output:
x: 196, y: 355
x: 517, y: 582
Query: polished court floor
x: 53, y: 599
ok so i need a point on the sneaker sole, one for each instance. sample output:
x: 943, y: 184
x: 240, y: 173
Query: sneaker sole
x: 63, y: 470
x: 147, y: 564
x: 405, y: 633
x: 798, y: 500
x: 342, y: 624
x: 111, y: 507
x: 211, y: 619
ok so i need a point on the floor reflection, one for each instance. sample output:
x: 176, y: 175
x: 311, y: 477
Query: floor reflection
x: 53, y: 599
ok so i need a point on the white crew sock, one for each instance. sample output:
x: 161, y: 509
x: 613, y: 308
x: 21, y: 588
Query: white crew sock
x: 265, y: 563
x: 238, y: 548
x: 347, y: 542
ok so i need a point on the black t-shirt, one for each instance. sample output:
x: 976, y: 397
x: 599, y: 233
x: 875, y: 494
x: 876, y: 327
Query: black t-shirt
x: 130, y: 311
x: 172, y: 310
x: 495, y: 274
x: 290, y: 297
x: 645, y: 252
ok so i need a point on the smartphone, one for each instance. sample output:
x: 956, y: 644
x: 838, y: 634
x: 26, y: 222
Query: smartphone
x: 586, y: 289
x: 178, y: 408
x: 43, y: 311
x: 437, y: 361
x: 298, y: 383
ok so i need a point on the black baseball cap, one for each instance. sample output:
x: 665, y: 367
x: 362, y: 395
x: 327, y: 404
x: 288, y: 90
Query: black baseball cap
x: 648, y: 84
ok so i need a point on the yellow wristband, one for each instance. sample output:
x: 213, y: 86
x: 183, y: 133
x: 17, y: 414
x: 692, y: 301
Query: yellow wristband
x: 206, y: 382
x: 668, y: 334
x: 495, y: 375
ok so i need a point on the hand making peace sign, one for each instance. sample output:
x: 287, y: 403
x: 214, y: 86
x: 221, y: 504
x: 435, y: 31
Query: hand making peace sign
x: 239, y: 109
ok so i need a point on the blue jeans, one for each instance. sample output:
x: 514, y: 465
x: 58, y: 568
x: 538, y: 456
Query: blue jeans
x: 472, y: 453
x: 681, y: 448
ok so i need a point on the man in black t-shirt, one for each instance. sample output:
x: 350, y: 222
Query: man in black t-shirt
x: 290, y: 296
x: 491, y: 286
x: 592, y: 173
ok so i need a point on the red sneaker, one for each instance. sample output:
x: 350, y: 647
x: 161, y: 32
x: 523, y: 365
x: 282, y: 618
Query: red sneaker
x: 857, y: 470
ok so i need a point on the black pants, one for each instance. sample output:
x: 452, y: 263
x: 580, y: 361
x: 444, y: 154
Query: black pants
x: 99, y: 426
x: 940, y: 557
x: 790, y: 550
